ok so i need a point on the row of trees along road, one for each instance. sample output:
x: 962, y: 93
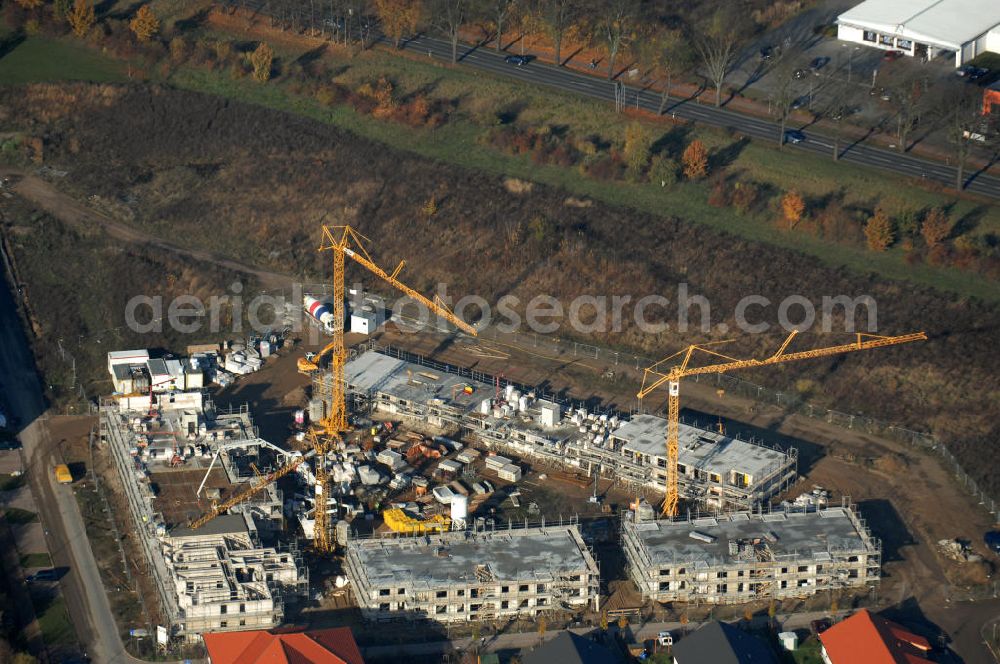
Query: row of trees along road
x: 660, y: 43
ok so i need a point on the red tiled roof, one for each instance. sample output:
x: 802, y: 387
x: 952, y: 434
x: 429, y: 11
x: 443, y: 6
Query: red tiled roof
x: 323, y: 646
x: 868, y: 639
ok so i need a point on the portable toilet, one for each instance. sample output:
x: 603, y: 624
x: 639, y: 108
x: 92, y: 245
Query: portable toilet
x: 789, y: 640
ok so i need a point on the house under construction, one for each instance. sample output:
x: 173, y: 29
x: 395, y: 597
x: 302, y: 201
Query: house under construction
x: 461, y: 576
x: 176, y: 455
x: 745, y: 556
x: 716, y: 471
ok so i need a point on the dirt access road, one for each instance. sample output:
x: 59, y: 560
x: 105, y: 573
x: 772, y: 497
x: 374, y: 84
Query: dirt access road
x: 67, y: 209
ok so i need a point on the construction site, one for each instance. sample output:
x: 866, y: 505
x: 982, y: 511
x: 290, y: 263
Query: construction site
x: 433, y: 492
x: 719, y: 471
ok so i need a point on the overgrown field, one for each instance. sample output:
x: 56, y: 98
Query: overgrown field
x: 78, y: 285
x: 254, y: 183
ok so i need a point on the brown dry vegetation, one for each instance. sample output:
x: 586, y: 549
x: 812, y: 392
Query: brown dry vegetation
x: 77, y: 287
x: 253, y: 183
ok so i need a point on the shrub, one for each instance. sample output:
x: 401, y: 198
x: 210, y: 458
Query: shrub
x: 908, y: 224
x: 720, y: 195
x: 178, y: 50
x: 939, y: 255
x: 745, y: 196
x: 837, y: 223
x: 663, y: 171
x: 638, y: 143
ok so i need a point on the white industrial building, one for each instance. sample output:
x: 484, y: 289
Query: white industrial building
x: 925, y: 28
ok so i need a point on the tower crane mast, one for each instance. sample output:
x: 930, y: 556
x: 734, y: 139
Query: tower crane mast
x: 660, y: 373
x: 343, y: 242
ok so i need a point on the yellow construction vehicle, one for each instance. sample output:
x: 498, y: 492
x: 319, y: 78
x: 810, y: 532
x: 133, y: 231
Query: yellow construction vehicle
x: 63, y: 476
x: 401, y: 522
x: 655, y: 376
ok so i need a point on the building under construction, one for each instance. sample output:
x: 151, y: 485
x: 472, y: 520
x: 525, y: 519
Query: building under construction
x: 176, y: 456
x: 468, y: 575
x: 717, y: 471
x: 744, y: 556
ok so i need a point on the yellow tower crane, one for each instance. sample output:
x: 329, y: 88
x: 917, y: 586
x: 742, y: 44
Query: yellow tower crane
x: 345, y: 241
x: 655, y: 376
x: 341, y: 241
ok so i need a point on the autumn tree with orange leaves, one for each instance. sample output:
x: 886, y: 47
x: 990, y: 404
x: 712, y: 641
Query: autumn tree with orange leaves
x: 793, y: 207
x: 936, y: 227
x: 398, y: 17
x: 82, y: 18
x: 879, y: 232
x: 145, y: 25
x: 695, y: 160
x: 262, y: 60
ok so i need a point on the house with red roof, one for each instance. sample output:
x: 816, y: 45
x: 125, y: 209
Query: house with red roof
x: 283, y: 646
x: 865, y: 638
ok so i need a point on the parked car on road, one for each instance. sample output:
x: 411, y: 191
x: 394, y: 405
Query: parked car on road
x: 665, y: 639
x: 890, y: 56
x: 794, y: 136
x: 801, y: 73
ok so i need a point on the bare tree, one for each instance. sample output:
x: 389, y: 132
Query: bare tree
x: 965, y: 125
x: 909, y: 97
x: 785, y: 90
x: 717, y: 45
x: 617, y: 20
x: 665, y: 53
x: 558, y: 16
x: 449, y: 16
x: 499, y: 12
x: 841, y: 101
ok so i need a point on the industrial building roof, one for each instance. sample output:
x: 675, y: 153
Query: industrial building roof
x: 508, y: 555
x: 705, y: 450
x: 949, y: 23
x: 794, y: 534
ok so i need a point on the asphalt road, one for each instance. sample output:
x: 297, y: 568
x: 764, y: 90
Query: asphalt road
x: 591, y: 86
x: 81, y: 586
